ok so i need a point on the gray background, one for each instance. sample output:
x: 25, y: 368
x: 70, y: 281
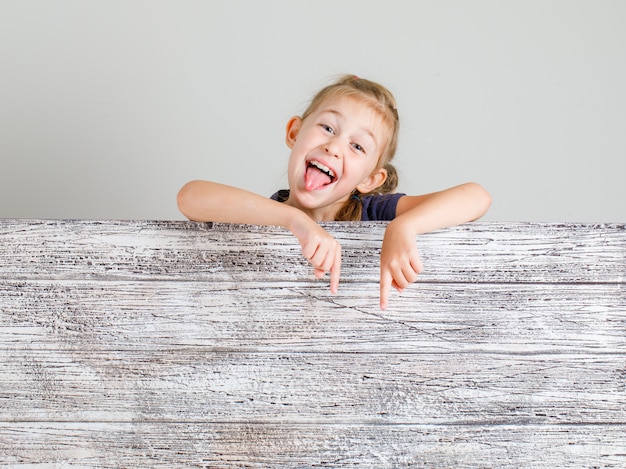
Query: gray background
x: 108, y: 107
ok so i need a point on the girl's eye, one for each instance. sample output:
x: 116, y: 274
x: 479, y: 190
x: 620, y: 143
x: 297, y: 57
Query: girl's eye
x: 327, y: 128
x: 358, y: 147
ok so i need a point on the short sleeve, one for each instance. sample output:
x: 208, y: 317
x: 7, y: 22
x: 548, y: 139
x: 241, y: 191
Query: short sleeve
x: 380, y: 207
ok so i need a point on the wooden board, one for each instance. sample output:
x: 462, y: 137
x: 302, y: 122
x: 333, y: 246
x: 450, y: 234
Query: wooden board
x: 178, y: 344
x: 215, y: 445
x: 485, y: 252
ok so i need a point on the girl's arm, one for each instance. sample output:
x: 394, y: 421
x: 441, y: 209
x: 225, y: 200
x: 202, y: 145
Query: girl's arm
x: 450, y: 207
x: 399, y: 260
x: 210, y: 201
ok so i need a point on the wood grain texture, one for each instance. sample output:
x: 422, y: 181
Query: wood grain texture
x: 485, y: 252
x: 216, y: 445
x: 292, y: 316
x: 179, y: 344
x: 401, y: 388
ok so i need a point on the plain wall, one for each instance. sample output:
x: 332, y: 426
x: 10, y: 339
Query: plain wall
x: 108, y: 107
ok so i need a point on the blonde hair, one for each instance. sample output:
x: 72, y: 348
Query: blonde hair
x: 383, y: 103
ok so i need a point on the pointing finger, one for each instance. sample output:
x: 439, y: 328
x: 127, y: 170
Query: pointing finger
x: 385, y: 286
x: 334, y: 271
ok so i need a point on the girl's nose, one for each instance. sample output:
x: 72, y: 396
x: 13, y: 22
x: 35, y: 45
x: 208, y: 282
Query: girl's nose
x: 332, y: 147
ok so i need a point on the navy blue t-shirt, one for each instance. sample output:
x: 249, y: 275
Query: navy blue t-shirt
x: 375, y: 207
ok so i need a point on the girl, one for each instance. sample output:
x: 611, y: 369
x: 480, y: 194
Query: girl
x: 340, y: 169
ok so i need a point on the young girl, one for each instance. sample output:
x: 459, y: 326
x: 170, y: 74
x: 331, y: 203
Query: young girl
x: 340, y: 169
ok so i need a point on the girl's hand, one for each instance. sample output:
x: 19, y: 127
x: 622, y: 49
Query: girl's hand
x: 320, y: 249
x: 400, y: 262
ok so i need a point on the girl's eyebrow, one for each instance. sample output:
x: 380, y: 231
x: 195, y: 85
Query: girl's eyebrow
x: 340, y: 115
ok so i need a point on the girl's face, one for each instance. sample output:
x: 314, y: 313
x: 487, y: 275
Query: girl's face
x: 334, y: 151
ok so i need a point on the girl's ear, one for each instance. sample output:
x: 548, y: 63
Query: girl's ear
x: 293, y: 127
x: 374, y: 180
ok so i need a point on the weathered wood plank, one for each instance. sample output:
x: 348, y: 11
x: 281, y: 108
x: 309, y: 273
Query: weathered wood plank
x: 210, y: 445
x: 292, y: 317
x: 178, y: 344
x: 351, y: 388
x: 479, y: 252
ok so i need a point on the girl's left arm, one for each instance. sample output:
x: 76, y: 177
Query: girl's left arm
x: 399, y: 259
x: 450, y: 207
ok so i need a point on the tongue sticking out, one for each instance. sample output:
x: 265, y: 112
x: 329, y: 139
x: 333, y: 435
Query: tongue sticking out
x: 315, y: 179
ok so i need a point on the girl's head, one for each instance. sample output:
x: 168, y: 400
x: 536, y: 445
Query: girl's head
x: 376, y: 96
x: 374, y: 109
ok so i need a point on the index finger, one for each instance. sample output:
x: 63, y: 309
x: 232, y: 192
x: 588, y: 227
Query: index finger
x: 385, y: 287
x: 334, y: 271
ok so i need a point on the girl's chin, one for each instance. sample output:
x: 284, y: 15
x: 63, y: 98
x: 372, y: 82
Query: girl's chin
x: 307, y: 199
x: 312, y: 199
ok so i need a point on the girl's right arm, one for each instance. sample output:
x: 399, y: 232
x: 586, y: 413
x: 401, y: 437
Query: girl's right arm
x: 210, y: 201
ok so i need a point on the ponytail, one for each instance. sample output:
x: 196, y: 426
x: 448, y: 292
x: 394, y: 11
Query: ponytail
x: 352, y: 209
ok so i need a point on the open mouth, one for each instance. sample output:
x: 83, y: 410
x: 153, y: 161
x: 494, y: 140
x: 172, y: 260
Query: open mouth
x: 318, y: 175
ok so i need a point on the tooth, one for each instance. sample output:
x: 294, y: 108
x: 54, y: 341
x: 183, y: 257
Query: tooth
x: 323, y: 168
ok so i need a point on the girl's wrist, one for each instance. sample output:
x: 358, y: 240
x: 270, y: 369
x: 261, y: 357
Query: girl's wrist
x: 295, y: 220
x: 409, y: 224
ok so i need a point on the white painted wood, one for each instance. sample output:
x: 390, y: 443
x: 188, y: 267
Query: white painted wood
x: 293, y: 316
x: 377, y: 388
x: 177, y: 344
x: 210, y: 445
x: 480, y: 252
